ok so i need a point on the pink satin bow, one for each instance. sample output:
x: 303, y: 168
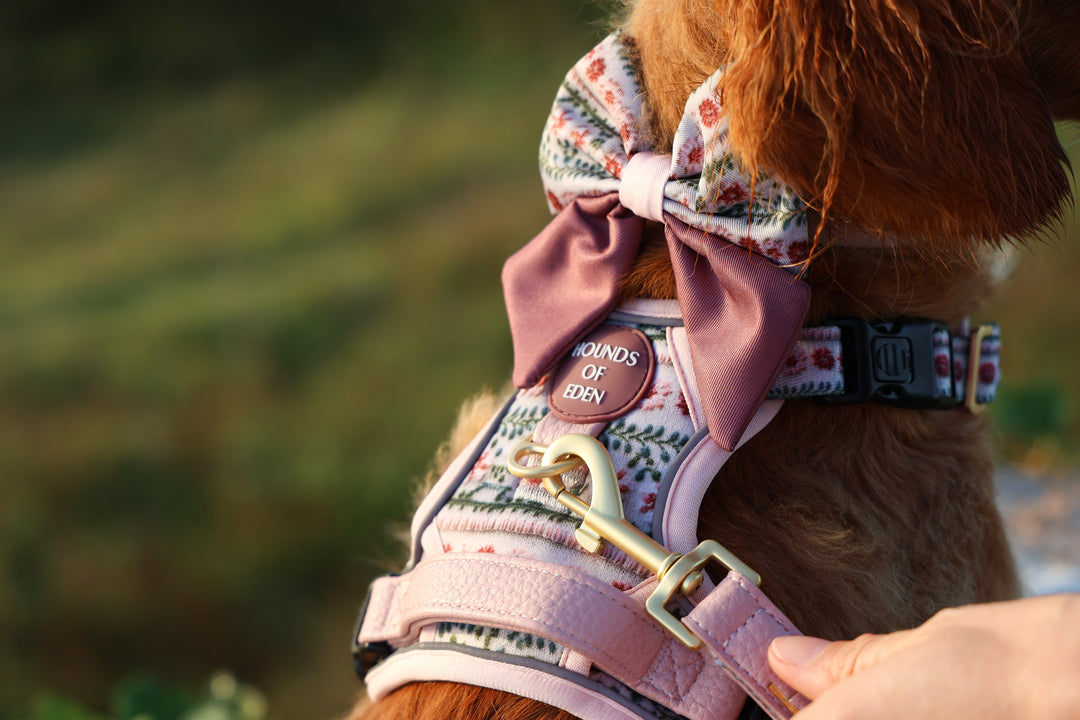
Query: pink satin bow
x: 742, y: 311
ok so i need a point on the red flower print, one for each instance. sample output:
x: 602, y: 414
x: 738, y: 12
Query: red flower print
x: 625, y: 587
x: 776, y: 252
x: 554, y: 201
x: 751, y: 244
x: 710, y: 113
x: 656, y: 399
x: 720, y: 232
x: 695, y: 155
x: 823, y: 358
x: 957, y: 371
x: 596, y: 69
x: 624, y: 133
x: 558, y: 121
x: 941, y: 366
x: 795, y: 363
x: 987, y: 373
x: 648, y: 502
x: 609, y: 98
x: 612, y: 166
x: 579, y: 137
x: 486, y: 549
x: 682, y: 405
x: 799, y: 250
x: 732, y: 194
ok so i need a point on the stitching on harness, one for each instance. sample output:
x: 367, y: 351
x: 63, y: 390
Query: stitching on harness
x: 574, y: 581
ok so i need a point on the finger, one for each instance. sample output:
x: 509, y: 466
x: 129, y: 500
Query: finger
x: 794, y: 658
x: 812, y: 665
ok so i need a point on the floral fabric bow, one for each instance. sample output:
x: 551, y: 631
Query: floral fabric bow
x: 728, y: 236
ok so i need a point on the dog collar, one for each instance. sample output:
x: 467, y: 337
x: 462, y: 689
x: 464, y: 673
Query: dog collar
x: 909, y: 363
x: 904, y: 362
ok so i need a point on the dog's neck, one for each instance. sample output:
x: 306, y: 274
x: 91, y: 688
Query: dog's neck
x: 864, y: 281
x: 949, y: 142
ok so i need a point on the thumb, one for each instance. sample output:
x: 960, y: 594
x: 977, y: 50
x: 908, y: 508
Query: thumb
x: 812, y: 665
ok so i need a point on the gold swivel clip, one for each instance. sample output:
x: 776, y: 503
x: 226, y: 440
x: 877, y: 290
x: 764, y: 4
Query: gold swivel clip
x: 603, y: 520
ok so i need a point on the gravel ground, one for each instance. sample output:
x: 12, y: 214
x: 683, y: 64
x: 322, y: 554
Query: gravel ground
x: 1042, y: 515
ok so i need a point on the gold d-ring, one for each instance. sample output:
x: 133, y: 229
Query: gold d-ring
x: 528, y: 447
x: 974, y: 360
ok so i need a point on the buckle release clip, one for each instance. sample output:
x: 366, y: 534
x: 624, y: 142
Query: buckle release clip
x: 892, y: 363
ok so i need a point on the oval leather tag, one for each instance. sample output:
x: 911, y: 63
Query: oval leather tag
x: 603, y: 377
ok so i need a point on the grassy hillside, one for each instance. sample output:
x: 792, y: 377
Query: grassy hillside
x: 236, y: 319
x: 234, y: 324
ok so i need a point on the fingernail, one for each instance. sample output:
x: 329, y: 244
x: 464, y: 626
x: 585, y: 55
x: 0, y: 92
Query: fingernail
x: 797, y: 649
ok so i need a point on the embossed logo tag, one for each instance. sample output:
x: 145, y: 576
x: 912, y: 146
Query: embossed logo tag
x: 605, y: 375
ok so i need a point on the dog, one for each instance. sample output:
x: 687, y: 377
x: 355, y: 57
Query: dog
x: 920, y: 137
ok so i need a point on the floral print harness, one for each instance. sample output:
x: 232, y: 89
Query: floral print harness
x: 479, y: 507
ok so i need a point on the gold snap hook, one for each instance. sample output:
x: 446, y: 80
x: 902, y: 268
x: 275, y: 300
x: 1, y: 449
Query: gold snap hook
x: 603, y: 520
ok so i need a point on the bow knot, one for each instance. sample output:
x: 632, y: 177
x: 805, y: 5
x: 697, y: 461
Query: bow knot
x: 601, y: 176
x: 644, y: 179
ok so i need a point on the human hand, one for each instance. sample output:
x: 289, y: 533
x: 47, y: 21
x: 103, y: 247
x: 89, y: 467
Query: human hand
x: 1009, y: 660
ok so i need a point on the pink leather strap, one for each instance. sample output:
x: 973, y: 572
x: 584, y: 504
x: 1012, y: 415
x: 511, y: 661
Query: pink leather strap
x: 564, y: 605
x: 735, y: 622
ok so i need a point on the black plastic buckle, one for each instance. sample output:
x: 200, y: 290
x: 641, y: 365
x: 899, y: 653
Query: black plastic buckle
x: 892, y: 363
x: 367, y: 655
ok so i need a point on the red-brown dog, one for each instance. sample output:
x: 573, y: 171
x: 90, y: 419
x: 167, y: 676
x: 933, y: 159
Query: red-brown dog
x: 923, y: 127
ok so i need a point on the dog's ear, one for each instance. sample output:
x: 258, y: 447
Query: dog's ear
x: 1052, y: 31
x: 918, y: 119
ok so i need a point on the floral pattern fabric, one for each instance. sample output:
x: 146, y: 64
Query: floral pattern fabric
x: 495, y: 511
x: 596, y: 126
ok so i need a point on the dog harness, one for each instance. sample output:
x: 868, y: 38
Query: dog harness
x: 557, y: 558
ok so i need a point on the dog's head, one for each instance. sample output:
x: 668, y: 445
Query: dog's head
x: 916, y: 119
x: 1050, y: 29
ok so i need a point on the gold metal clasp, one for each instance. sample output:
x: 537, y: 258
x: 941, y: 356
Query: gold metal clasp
x: 603, y: 520
x: 974, y: 359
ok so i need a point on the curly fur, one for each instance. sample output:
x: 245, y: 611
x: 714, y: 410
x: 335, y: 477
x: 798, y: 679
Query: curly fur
x: 928, y: 123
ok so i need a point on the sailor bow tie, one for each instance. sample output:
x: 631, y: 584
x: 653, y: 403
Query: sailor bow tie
x: 728, y: 236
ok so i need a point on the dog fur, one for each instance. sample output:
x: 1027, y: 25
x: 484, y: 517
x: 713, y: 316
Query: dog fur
x: 924, y: 129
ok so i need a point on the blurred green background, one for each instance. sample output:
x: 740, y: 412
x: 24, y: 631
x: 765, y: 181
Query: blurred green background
x: 249, y: 259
